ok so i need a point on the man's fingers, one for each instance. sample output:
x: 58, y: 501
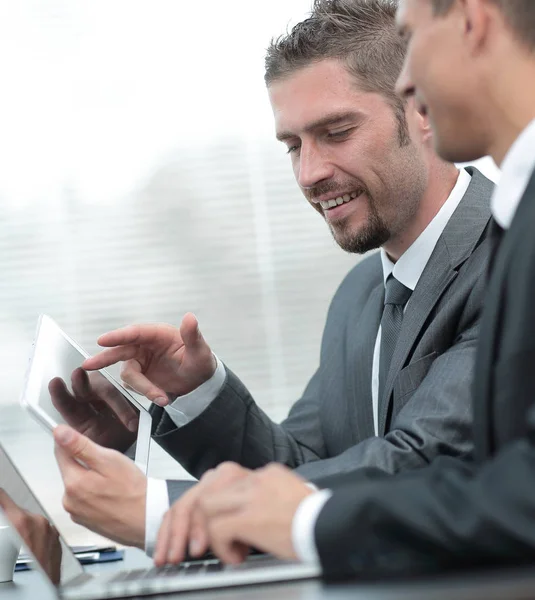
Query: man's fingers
x: 80, y: 383
x: 225, y: 477
x: 6, y: 503
x: 59, y: 391
x: 190, y: 332
x: 179, y: 528
x: 131, y: 374
x: 162, y: 543
x: 108, y: 396
x: 198, y: 535
x: 225, y: 535
x: 179, y: 525
x: 110, y: 357
x: 75, y: 413
x: 150, y: 334
x: 78, y: 448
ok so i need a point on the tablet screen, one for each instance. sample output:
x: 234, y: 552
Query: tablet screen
x: 58, y: 391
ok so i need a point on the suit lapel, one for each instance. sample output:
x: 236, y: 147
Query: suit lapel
x: 432, y: 284
x: 486, y: 350
x: 490, y: 329
x: 457, y: 242
x: 362, y: 336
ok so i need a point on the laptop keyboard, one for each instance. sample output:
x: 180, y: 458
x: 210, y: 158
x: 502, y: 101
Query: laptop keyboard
x: 183, y: 569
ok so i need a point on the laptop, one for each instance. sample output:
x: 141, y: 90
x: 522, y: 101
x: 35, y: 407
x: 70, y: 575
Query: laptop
x: 69, y: 580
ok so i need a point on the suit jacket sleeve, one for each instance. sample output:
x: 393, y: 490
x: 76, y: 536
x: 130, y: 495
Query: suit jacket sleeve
x: 451, y: 514
x: 235, y: 428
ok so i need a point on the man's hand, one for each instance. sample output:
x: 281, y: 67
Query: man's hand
x: 246, y: 510
x: 256, y: 511
x: 104, y: 490
x: 184, y: 524
x: 96, y: 409
x: 41, y: 538
x: 160, y: 359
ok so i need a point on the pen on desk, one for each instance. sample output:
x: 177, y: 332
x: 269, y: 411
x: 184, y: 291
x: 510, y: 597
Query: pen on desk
x: 89, y: 556
x: 93, y: 548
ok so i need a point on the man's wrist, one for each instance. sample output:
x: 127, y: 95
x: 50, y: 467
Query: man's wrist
x: 184, y: 409
x: 304, y: 524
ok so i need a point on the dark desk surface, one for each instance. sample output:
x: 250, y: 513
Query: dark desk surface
x: 497, y: 585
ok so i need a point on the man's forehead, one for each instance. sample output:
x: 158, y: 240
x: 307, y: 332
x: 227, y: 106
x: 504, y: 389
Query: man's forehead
x: 320, y: 89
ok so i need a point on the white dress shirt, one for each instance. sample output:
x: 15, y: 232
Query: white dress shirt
x: 408, y: 270
x: 517, y: 168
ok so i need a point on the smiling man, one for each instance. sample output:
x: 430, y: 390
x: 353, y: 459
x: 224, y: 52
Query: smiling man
x: 471, y: 64
x: 392, y: 390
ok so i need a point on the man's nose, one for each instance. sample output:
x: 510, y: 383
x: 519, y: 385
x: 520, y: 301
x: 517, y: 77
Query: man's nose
x: 313, y: 166
x: 404, y: 86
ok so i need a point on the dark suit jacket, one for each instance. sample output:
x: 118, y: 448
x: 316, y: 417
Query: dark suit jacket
x: 454, y: 514
x: 425, y: 411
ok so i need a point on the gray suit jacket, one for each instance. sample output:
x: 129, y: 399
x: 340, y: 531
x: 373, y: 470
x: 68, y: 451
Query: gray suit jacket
x: 425, y: 410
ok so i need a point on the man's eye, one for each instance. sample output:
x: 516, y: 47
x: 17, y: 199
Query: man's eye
x: 292, y: 149
x: 339, y: 135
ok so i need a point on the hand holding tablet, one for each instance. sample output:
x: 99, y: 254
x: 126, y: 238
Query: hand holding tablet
x: 96, y: 408
x: 57, y: 390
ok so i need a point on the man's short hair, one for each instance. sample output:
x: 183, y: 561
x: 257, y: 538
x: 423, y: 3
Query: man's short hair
x: 518, y: 14
x: 360, y: 33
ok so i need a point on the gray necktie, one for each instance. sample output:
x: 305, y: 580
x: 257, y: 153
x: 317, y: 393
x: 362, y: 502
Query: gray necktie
x: 396, y: 296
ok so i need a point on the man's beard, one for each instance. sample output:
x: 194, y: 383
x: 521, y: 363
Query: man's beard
x: 373, y: 234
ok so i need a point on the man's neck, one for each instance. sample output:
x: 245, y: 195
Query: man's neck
x: 442, y: 180
x: 513, y: 108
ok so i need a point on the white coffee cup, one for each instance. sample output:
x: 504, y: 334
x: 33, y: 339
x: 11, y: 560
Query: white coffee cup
x: 9, y: 553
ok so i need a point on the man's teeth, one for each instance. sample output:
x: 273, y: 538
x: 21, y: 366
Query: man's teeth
x: 326, y: 204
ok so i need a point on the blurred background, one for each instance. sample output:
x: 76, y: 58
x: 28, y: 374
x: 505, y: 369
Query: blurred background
x: 140, y: 179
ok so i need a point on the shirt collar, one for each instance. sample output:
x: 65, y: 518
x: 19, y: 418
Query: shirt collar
x: 411, y: 264
x: 517, y: 168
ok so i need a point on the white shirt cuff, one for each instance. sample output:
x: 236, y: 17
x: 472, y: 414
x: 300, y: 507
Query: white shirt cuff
x: 157, y: 506
x: 188, y: 407
x: 304, y: 524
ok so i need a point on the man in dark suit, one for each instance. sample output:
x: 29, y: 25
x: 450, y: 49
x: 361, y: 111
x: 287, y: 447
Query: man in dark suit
x: 392, y: 389
x: 471, y: 67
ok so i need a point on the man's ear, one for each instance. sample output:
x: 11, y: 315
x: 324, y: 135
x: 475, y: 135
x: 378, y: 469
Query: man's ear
x: 425, y: 128
x: 420, y: 122
x: 475, y: 23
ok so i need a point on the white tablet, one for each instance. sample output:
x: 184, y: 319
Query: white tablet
x: 57, y: 390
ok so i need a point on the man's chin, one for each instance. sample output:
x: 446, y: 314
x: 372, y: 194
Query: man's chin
x: 358, y: 244
x: 455, y: 149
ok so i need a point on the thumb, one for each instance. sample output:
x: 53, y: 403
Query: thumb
x: 79, y: 447
x: 190, y: 332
